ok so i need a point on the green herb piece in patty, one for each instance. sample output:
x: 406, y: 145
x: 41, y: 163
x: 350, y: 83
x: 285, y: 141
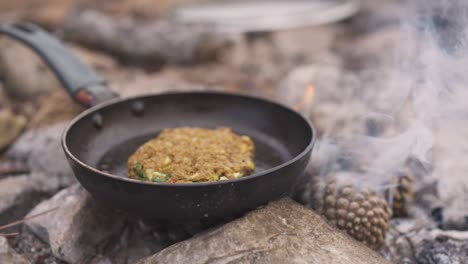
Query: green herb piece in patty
x: 138, y: 169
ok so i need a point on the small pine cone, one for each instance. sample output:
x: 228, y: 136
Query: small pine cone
x: 400, y: 192
x: 364, y: 215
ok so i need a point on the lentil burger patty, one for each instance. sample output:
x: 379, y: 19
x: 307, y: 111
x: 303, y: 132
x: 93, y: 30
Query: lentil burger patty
x: 186, y: 154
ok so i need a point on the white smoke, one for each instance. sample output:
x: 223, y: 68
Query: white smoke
x: 417, y: 103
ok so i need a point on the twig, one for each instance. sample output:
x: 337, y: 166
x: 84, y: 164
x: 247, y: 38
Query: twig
x: 9, y: 234
x: 10, y: 167
x: 19, y: 222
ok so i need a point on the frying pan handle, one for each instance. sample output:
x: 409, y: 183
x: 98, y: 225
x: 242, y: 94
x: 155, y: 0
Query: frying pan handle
x: 81, y: 82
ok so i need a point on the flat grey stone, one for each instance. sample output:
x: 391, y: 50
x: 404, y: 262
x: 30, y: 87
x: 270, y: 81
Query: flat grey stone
x: 79, y: 229
x: 281, y: 232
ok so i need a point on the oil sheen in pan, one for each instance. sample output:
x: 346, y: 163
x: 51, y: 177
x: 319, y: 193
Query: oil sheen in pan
x: 268, y: 153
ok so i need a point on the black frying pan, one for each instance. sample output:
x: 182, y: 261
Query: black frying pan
x: 98, y: 142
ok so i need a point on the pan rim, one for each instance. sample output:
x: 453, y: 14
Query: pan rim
x: 105, y: 104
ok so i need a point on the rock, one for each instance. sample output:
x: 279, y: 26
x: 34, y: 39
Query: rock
x: 8, y: 255
x: 53, y: 13
x: 311, y: 43
x: 17, y: 196
x: 144, y: 241
x: 164, y: 81
x: 42, y: 149
x: 158, y: 42
x: 374, y: 15
x: 365, y: 52
x: 79, y: 230
x: 11, y: 126
x: 49, y: 13
x: 282, y: 231
x: 99, y: 61
x: 28, y: 79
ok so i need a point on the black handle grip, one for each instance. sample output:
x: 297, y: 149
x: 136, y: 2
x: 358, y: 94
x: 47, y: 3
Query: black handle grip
x: 81, y: 82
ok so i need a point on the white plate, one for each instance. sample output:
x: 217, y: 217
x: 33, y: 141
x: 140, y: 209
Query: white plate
x: 265, y: 15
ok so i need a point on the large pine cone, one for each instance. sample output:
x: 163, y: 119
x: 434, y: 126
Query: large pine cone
x: 362, y: 214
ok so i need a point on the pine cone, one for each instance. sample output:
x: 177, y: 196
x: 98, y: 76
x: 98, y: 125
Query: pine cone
x: 362, y: 214
x: 400, y: 192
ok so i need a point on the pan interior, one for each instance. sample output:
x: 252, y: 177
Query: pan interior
x: 104, y: 138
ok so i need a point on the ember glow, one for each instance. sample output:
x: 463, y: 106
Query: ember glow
x: 307, y: 98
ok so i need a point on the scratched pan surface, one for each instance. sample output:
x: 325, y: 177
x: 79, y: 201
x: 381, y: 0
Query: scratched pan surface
x: 99, y: 142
